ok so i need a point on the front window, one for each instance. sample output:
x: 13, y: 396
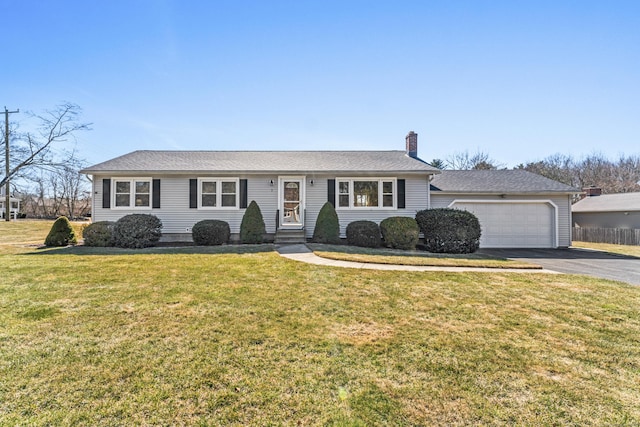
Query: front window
x: 132, y: 193
x: 229, y: 194
x: 209, y: 194
x: 374, y: 193
x: 343, y: 194
x: 143, y: 194
x: 218, y: 193
x: 365, y: 194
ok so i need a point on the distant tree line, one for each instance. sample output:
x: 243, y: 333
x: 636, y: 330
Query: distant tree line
x: 56, y: 192
x: 621, y: 175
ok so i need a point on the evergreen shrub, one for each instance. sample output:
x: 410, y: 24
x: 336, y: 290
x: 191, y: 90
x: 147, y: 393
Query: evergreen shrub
x: 363, y: 233
x: 210, y: 232
x: 400, y: 232
x: 137, y: 231
x: 327, y: 228
x: 450, y: 231
x: 61, y: 233
x: 99, y: 234
x: 252, y: 228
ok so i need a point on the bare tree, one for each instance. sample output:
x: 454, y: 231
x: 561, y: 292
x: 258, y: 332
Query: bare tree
x: 74, y: 189
x: 59, y: 191
x: 558, y: 167
x: 40, y: 149
x: 466, y: 161
x: 619, y: 176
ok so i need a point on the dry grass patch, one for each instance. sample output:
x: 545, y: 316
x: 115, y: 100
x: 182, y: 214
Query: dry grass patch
x: 606, y: 247
x: 418, y: 258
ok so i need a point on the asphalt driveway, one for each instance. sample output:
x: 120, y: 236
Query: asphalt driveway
x: 577, y: 261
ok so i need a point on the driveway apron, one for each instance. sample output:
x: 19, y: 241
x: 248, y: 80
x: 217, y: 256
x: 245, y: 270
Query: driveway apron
x: 577, y: 261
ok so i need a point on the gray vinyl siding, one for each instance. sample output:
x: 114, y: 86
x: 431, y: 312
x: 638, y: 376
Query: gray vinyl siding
x: 175, y: 214
x: 416, y: 198
x: 627, y: 219
x: 562, y: 201
x: 177, y: 217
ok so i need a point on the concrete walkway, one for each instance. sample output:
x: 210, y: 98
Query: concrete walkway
x: 302, y: 253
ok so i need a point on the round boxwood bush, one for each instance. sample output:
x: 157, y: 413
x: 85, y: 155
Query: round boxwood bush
x: 99, y: 234
x: 450, y: 231
x: 210, y: 232
x: 252, y: 228
x: 363, y: 233
x: 137, y: 231
x: 61, y: 233
x: 400, y: 232
x: 327, y: 228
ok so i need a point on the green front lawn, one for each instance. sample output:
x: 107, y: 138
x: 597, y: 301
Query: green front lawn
x: 256, y: 339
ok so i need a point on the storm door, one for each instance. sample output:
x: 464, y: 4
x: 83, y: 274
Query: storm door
x: 292, y: 202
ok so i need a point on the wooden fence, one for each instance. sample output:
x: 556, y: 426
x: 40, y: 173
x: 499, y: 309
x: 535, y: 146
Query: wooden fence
x: 617, y: 236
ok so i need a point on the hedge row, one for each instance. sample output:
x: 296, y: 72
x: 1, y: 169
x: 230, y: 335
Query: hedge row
x: 444, y: 230
x: 141, y: 231
x: 133, y: 231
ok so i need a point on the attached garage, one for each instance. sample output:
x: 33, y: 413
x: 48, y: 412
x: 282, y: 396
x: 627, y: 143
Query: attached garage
x: 513, y: 224
x: 516, y: 208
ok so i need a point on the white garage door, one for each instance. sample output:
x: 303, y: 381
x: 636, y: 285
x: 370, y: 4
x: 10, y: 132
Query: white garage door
x: 513, y: 225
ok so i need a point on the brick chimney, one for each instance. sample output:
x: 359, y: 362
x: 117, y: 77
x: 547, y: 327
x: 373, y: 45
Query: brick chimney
x: 412, y: 144
x: 592, y: 191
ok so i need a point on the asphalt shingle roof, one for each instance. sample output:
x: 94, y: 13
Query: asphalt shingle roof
x: 608, y: 203
x: 262, y: 161
x: 496, y: 182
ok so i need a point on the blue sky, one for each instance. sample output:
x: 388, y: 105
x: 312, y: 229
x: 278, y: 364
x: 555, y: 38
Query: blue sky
x: 519, y: 80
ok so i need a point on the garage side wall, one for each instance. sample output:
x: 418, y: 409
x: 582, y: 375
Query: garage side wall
x: 561, y: 201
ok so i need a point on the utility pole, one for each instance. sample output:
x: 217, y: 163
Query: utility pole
x: 7, y: 198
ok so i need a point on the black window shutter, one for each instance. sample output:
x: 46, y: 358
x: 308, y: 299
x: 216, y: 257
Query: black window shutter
x: 401, y: 199
x: 331, y: 191
x: 106, y: 193
x: 193, y: 193
x: 243, y: 193
x: 156, y: 194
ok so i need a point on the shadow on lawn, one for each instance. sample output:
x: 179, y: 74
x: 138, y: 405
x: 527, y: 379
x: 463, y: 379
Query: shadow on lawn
x: 163, y: 250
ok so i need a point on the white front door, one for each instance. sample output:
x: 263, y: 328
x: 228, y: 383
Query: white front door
x: 291, y: 202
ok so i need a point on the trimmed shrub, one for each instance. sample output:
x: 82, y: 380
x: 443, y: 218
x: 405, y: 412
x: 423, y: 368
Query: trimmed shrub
x: 137, y: 231
x: 99, y: 234
x: 450, y: 231
x: 400, y: 232
x: 210, y: 232
x: 327, y: 228
x: 363, y: 233
x: 252, y: 228
x: 61, y: 233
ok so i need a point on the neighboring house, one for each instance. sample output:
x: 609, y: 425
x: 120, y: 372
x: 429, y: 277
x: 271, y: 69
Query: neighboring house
x: 184, y: 187
x: 515, y: 208
x: 598, y: 210
x: 14, y: 202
